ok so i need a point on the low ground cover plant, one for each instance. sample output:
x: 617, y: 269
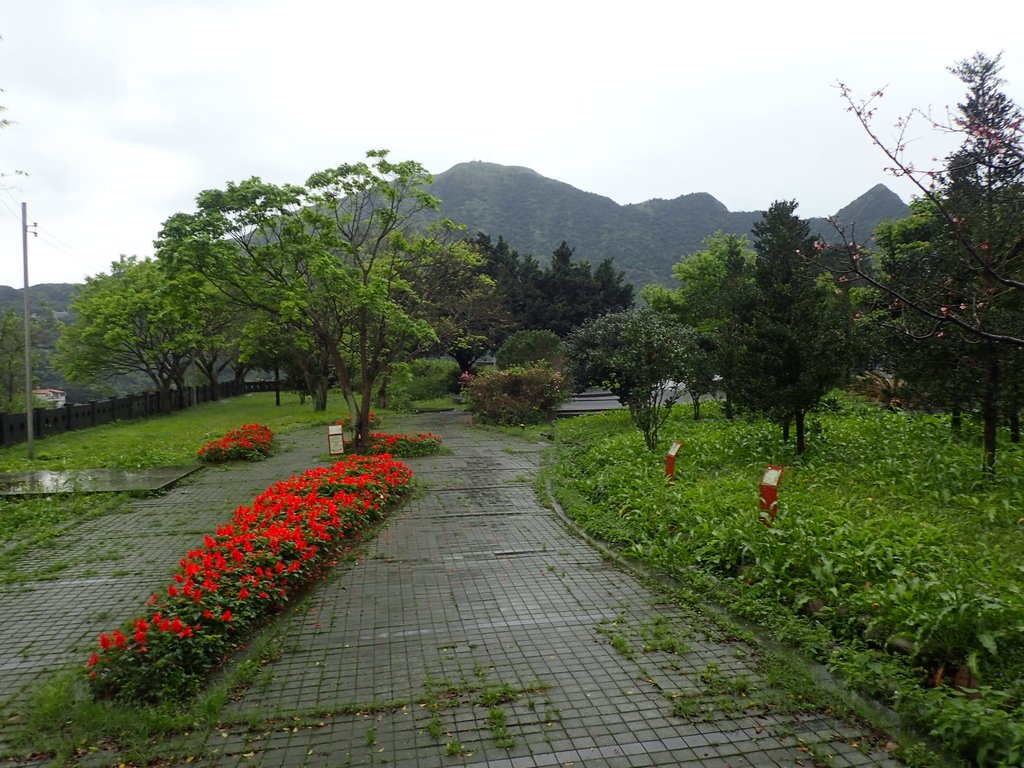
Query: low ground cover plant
x: 894, y: 558
x: 242, y: 574
x: 250, y: 442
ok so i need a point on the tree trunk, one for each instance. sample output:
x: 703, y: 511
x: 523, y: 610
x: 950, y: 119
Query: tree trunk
x: 990, y: 412
x: 165, y: 396
x: 362, y: 426
x: 696, y: 406
x: 383, y: 398
x: 277, y: 385
x: 464, y: 359
x: 800, y: 444
x: 320, y: 393
x: 1015, y: 425
x: 956, y: 420
x: 785, y: 429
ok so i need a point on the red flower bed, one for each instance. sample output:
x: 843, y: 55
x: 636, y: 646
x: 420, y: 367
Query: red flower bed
x: 242, y: 574
x: 406, y: 446
x: 251, y: 442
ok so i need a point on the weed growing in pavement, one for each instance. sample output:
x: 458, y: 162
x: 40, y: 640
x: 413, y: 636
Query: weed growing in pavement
x: 660, y: 634
x: 496, y: 720
x: 434, y: 727
x: 454, y: 748
x: 552, y: 715
x: 498, y: 693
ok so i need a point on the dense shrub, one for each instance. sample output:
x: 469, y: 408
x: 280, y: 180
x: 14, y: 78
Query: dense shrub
x: 525, y: 348
x: 517, y: 395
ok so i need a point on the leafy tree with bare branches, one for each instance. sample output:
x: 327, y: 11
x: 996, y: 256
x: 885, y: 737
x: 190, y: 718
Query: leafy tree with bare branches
x: 965, y: 281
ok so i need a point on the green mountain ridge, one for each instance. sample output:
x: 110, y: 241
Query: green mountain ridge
x: 534, y: 214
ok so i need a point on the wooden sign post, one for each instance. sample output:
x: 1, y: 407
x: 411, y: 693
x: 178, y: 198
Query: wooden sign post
x: 336, y: 439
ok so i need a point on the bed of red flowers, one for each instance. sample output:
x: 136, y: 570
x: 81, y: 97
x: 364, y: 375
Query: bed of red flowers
x: 244, y: 573
x: 406, y: 446
x: 250, y: 442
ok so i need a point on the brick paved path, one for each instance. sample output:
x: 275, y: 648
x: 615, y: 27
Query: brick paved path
x: 477, y: 631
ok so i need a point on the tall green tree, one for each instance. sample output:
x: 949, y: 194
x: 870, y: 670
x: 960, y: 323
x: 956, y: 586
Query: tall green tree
x: 714, y: 296
x: 12, y: 360
x: 337, y: 260
x: 558, y: 297
x: 462, y: 303
x: 967, y: 280
x: 794, y: 341
x: 128, y: 322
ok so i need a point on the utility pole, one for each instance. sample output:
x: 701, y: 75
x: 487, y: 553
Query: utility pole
x: 28, y: 341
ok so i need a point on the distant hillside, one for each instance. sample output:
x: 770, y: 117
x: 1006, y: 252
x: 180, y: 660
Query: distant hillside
x: 55, y: 296
x: 534, y: 214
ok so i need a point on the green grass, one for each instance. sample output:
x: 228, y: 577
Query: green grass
x: 888, y: 529
x: 169, y: 440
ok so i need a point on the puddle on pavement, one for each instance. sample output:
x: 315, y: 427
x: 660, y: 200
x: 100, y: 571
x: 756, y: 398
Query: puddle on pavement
x: 44, y: 481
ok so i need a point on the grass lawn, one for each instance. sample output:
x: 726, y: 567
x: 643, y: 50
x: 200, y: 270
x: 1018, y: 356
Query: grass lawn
x: 173, y: 439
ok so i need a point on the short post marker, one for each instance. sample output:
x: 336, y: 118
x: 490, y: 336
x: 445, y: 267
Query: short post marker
x: 670, y: 460
x: 770, y: 494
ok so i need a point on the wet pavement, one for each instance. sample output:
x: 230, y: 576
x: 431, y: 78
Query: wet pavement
x: 42, y: 482
x: 476, y: 631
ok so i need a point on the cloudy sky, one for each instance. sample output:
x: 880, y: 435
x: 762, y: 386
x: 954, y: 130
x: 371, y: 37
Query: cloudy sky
x: 123, y: 110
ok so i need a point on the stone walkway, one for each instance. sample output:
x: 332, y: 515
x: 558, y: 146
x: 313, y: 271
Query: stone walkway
x: 477, y: 631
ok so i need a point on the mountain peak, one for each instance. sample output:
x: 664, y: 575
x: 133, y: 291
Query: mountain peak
x: 875, y: 205
x: 483, y: 167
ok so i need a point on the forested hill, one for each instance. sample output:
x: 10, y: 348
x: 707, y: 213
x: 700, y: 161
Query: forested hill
x: 54, y: 296
x: 534, y: 214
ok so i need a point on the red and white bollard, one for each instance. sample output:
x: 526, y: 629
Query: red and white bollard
x: 770, y: 494
x: 670, y: 461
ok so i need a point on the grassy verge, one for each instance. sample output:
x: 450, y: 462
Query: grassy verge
x: 166, y: 440
x: 894, y: 560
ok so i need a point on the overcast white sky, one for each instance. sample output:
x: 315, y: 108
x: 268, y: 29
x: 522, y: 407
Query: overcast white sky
x: 124, y: 110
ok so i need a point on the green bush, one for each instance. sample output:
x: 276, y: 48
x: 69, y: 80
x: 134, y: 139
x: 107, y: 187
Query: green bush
x: 422, y: 379
x: 525, y: 348
x: 433, y: 378
x: 517, y: 395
